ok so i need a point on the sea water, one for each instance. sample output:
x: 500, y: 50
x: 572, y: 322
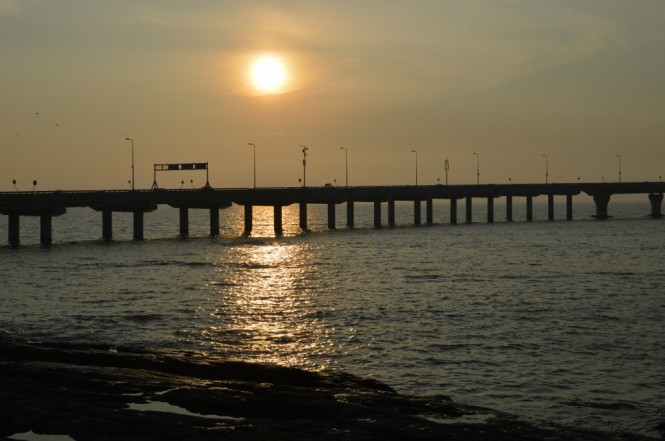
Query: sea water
x: 555, y: 321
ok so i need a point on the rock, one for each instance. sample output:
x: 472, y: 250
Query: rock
x: 97, y: 393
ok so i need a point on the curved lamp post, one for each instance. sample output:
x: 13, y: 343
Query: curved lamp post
x: 346, y: 161
x: 416, y: 152
x: 132, y: 140
x: 477, y: 168
x: 254, y: 148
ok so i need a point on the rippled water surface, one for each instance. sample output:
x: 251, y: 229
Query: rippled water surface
x: 554, y: 321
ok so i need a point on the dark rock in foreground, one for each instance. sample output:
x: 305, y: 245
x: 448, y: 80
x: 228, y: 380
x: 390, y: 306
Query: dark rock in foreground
x: 94, y: 393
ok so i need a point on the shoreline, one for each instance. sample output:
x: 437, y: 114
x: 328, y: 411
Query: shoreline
x: 102, y: 392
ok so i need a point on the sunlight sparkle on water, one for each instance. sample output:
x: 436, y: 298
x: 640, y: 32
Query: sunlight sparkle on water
x: 265, y: 305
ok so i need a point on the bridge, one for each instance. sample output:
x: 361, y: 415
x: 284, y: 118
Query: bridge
x: 48, y: 204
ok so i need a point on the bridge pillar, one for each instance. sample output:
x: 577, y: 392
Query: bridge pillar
x: 656, y: 200
x: 453, y: 211
x: 107, y: 225
x: 377, y: 213
x: 550, y: 207
x: 278, y: 220
x: 331, y: 215
x: 138, y: 225
x: 302, y: 218
x: 391, y: 213
x: 184, y: 222
x: 490, y: 209
x: 602, y: 201
x: 416, y: 212
x: 349, y: 214
x: 13, y: 230
x: 214, y: 222
x: 248, y: 219
x: 569, y: 207
x: 469, y: 206
x: 509, y: 208
x: 529, y: 208
x: 429, y: 210
x: 45, y: 229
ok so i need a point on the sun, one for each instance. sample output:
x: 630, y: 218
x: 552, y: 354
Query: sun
x: 268, y: 74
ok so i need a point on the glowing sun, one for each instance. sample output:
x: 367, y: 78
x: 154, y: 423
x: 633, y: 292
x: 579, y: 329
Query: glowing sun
x: 268, y: 74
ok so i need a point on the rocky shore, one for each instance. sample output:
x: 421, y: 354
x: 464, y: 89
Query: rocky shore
x: 99, y: 393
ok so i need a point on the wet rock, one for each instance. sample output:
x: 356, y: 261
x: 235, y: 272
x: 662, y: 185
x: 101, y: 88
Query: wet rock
x: 99, y: 393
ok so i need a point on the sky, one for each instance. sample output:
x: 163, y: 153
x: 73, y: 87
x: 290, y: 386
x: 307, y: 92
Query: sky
x: 508, y: 87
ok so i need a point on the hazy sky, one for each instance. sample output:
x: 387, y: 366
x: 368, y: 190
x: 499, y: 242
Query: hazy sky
x: 579, y: 80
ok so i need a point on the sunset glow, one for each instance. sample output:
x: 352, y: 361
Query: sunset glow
x: 268, y: 75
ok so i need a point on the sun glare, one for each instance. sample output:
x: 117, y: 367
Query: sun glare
x: 268, y: 74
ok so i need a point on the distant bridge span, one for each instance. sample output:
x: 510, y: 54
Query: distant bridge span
x: 47, y: 204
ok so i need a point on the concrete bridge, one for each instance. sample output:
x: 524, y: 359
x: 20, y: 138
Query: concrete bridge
x: 47, y: 204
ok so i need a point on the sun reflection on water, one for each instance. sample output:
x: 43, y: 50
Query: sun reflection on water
x: 265, y: 309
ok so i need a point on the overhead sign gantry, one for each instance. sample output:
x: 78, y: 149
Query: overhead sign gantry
x: 193, y: 166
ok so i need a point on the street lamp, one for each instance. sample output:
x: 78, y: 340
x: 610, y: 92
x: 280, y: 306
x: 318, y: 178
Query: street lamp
x: 546, y: 169
x: 446, y: 167
x: 619, y: 156
x: 254, y: 148
x: 346, y: 160
x: 304, y: 166
x: 477, y: 168
x: 132, y: 140
x: 416, y: 152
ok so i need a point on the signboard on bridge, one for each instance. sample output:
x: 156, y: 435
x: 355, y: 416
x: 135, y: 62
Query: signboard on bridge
x: 187, y: 166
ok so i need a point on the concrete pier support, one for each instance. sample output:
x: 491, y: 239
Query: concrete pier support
x: 377, y: 214
x: 550, y: 207
x: 45, y: 229
x: 138, y: 225
x: 107, y: 225
x: 278, y: 220
x: 529, y: 208
x: 416, y: 212
x: 350, y: 215
x: 14, y: 230
x: 490, y: 209
x: 302, y: 218
x: 509, y: 208
x: 214, y: 222
x: 331, y: 215
x: 656, y: 200
x: 569, y: 207
x: 184, y: 222
x: 469, y: 207
x: 429, y: 212
x: 391, y: 213
x: 453, y: 211
x: 602, y: 201
x: 248, y: 219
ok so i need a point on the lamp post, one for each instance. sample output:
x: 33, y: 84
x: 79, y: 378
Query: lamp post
x: 446, y: 167
x: 254, y: 148
x: 346, y: 161
x: 416, y: 152
x: 304, y: 166
x: 477, y: 168
x: 619, y: 156
x: 546, y: 169
x: 132, y: 140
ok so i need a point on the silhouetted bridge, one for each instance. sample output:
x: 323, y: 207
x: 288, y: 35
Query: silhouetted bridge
x: 47, y: 204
